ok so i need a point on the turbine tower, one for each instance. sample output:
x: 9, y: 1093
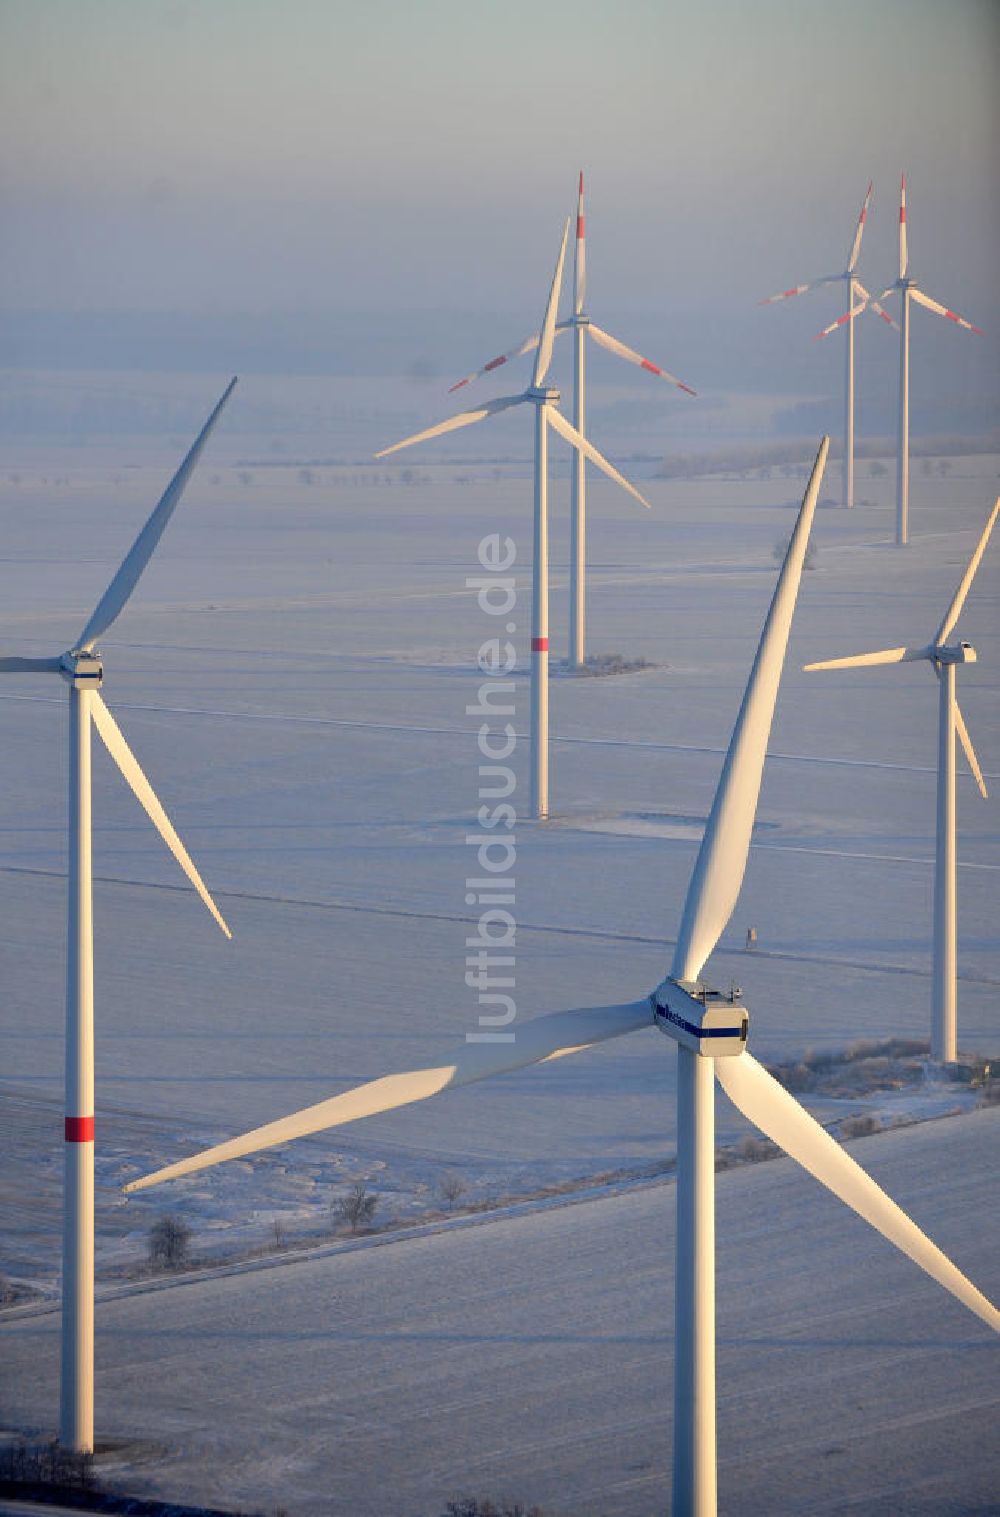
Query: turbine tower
x: 908, y: 291
x: 944, y: 658
x: 853, y: 288
x: 82, y: 668
x: 710, y: 1029
x: 580, y: 324
x: 545, y: 399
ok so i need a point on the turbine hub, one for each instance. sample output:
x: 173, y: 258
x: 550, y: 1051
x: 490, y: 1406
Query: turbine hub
x: 546, y: 394
x: 706, y: 1021
x: 84, y: 671
x: 959, y: 653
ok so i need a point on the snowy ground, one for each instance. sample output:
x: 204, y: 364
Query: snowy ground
x: 533, y: 1356
x: 293, y: 673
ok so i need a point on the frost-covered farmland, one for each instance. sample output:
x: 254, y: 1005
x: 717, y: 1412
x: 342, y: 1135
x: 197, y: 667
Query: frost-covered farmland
x: 293, y: 673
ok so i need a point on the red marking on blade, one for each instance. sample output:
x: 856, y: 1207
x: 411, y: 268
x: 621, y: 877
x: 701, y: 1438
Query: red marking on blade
x: 952, y: 317
x: 494, y: 364
x: 539, y: 645
x: 786, y: 293
x: 686, y: 388
x: 581, y: 181
x: 650, y: 366
x: 885, y: 317
x: 579, y: 228
x: 864, y: 213
x: 453, y: 388
x: 79, y: 1129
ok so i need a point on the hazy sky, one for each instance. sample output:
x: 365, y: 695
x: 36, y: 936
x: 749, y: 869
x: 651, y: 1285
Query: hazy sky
x: 241, y: 155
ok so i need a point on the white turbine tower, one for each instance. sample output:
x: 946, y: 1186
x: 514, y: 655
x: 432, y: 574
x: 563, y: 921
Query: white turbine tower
x: 710, y: 1030
x: 544, y: 398
x: 580, y: 324
x: 82, y: 668
x: 944, y: 658
x: 852, y: 288
x: 908, y: 291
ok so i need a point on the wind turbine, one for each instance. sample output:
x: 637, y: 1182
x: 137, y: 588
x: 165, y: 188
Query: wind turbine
x: 853, y: 288
x: 944, y: 659
x: 544, y: 398
x: 710, y: 1029
x: 580, y: 324
x: 908, y: 290
x: 82, y: 668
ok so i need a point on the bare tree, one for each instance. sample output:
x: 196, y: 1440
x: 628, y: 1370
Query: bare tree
x: 356, y: 1209
x: 169, y: 1241
x: 452, y: 1186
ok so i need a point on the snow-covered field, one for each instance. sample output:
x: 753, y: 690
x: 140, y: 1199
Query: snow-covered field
x: 533, y: 1356
x: 293, y: 673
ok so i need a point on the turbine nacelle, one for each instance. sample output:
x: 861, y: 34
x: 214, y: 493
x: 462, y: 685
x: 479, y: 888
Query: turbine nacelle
x: 542, y: 394
x: 706, y: 1021
x: 958, y: 653
x: 84, y: 671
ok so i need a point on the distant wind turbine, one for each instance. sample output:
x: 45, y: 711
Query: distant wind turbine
x: 906, y: 287
x: 710, y: 1029
x: 852, y: 289
x: 544, y: 398
x: 580, y: 324
x: 83, y: 670
x: 944, y: 658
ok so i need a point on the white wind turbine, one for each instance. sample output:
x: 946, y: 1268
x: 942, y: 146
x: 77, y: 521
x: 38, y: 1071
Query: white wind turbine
x: 944, y: 658
x: 82, y: 668
x: 908, y: 290
x: 852, y: 289
x: 544, y: 398
x: 710, y: 1029
x: 580, y: 324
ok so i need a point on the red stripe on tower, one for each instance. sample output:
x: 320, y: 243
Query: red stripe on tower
x: 79, y: 1129
x: 539, y: 645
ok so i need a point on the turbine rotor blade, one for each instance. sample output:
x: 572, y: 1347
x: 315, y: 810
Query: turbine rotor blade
x: 581, y: 443
x: 614, y: 346
x: 904, y: 258
x: 544, y: 355
x: 835, y: 326
x: 871, y: 304
x: 864, y: 660
x: 722, y: 857
x: 856, y: 249
x: 124, y: 582
x: 551, y: 1037
x: 769, y: 1107
x: 940, y: 310
x: 462, y: 419
x: 958, y: 599
x: 145, y: 795
x: 800, y: 289
x: 580, y: 260
x: 970, y: 752
x: 30, y: 665
x: 867, y: 303
x: 527, y: 346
